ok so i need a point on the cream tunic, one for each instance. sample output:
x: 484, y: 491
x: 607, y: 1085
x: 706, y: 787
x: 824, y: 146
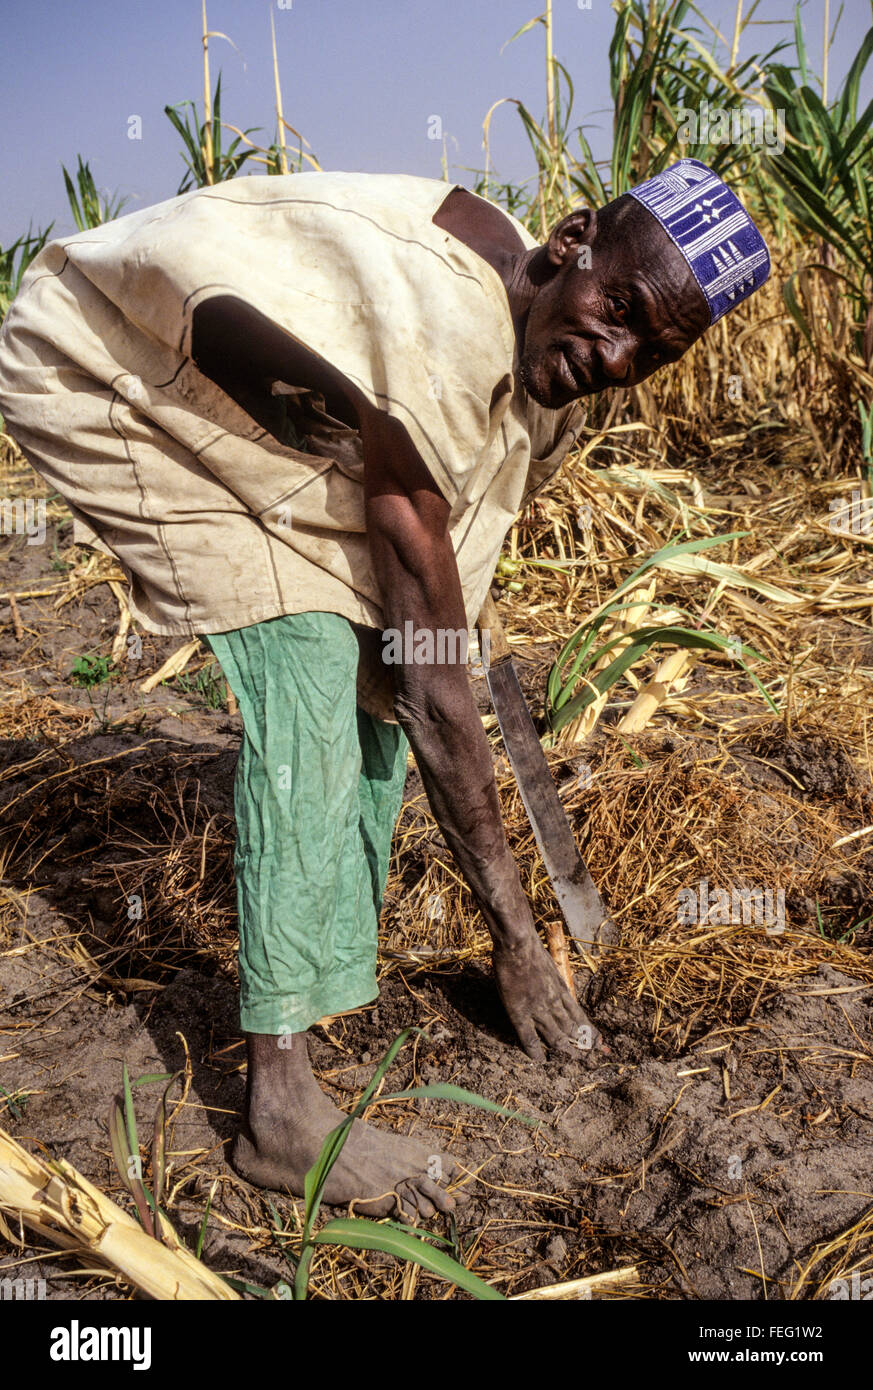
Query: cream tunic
x: 217, y: 523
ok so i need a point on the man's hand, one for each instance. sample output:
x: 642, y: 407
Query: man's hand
x: 537, y: 1000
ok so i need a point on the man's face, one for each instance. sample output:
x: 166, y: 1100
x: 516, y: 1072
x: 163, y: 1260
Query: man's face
x: 636, y: 309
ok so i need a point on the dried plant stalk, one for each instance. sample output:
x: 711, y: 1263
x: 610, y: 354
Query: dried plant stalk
x: 58, y: 1203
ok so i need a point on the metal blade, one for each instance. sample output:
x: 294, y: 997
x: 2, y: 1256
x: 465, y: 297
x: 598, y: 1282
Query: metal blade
x: 582, y: 906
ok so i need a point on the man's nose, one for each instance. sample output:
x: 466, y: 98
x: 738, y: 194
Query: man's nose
x: 616, y: 360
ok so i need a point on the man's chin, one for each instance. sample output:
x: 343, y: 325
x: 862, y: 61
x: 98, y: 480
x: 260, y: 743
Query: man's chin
x: 542, y: 388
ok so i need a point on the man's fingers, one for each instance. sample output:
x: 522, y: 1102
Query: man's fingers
x: 556, y: 1035
x: 575, y: 1010
x: 530, y: 1042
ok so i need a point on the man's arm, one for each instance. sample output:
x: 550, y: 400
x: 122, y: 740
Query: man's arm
x: 414, y: 561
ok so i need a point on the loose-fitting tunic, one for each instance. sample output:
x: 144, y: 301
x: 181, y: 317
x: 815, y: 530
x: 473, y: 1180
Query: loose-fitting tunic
x: 219, y: 524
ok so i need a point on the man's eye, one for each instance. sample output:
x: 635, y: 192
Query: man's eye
x: 620, y: 307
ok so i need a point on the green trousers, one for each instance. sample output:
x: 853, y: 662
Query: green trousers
x: 317, y: 793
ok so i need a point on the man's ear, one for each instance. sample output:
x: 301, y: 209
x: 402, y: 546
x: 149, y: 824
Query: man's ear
x: 578, y: 228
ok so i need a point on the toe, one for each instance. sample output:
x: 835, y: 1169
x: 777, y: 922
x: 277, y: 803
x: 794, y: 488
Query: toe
x: 425, y: 1207
x: 410, y: 1205
x: 451, y: 1170
x: 442, y: 1200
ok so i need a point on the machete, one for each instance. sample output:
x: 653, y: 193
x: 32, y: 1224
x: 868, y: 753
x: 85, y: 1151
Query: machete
x: 581, y: 904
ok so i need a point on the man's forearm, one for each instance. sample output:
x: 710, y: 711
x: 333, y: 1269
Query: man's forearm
x: 436, y: 710
x: 414, y: 560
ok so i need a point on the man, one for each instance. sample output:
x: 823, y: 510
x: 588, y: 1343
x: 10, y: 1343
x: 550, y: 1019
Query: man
x: 302, y: 411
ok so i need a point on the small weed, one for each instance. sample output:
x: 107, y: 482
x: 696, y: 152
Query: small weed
x: 16, y: 1102
x: 208, y: 685
x: 832, y: 924
x: 89, y: 671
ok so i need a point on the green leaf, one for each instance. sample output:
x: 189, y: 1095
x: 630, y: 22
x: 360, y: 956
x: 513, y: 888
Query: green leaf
x: 642, y: 640
x: 407, y: 1229
x: 359, y: 1234
x: 122, y: 1155
x: 159, y: 1147
x: 129, y: 1112
x: 117, y: 1137
x: 444, y: 1090
x: 792, y: 302
x: 201, y: 1233
x: 242, y: 1286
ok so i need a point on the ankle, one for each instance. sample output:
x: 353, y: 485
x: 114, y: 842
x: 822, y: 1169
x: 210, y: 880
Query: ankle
x: 280, y: 1084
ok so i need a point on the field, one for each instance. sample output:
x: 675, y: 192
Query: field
x: 722, y: 1147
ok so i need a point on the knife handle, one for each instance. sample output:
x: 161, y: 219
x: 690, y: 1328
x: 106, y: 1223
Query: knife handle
x: 489, y: 621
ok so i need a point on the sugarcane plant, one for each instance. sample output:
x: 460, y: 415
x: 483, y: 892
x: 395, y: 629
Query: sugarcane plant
x: 661, y: 69
x: 90, y: 207
x: 584, y: 672
x: 206, y: 161
x: 824, y: 175
x: 14, y: 261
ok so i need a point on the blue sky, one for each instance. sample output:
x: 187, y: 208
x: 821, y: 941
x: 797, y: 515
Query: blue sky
x: 360, y: 79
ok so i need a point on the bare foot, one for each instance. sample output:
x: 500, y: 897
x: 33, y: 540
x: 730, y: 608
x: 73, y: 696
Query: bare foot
x: 288, y: 1118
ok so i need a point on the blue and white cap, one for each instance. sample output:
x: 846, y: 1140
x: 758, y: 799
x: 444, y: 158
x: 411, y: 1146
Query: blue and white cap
x: 710, y: 226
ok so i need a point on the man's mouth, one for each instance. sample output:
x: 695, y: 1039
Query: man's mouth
x: 574, y: 377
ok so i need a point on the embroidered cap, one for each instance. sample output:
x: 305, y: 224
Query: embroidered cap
x: 710, y: 226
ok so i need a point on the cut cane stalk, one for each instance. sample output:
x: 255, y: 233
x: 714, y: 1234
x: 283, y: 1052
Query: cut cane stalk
x: 673, y: 671
x: 560, y: 953
x: 60, y: 1205
x: 173, y: 666
x: 577, y: 1288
